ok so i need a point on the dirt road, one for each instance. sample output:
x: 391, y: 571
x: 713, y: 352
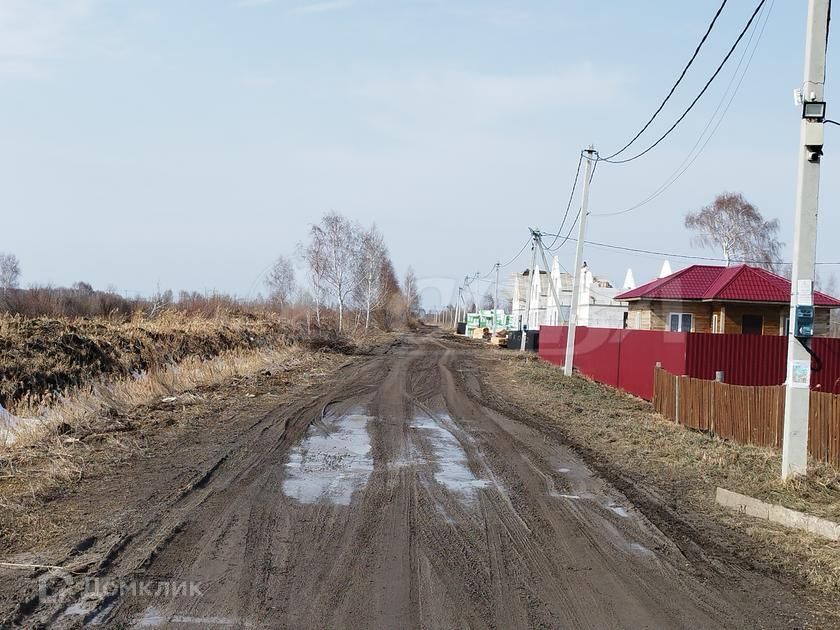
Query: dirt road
x: 392, y: 497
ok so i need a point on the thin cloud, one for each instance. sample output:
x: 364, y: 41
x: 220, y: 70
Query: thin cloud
x: 259, y: 82
x: 33, y: 31
x: 490, y: 96
x: 324, y: 7
x: 242, y: 4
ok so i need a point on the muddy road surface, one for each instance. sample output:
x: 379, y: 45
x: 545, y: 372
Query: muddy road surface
x: 393, y: 497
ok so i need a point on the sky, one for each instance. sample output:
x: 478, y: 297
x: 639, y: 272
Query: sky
x: 173, y: 144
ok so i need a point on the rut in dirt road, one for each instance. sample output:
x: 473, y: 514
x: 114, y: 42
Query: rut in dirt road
x: 399, y: 500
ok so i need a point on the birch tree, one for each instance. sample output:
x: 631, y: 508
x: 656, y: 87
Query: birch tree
x: 281, y: 281
x: 9, y: 271
x: 412, y: 298
x: 369, y: 286
x: 735, y: 227
x: 314, y: 256
x: 335, y: 243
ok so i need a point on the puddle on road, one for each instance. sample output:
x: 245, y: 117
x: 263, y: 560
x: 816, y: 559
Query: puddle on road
x: 330, y: 466
x: 153, y: 618
x: 640, y: 550
x: 619, y: 510
x: 451, y: 463
x: 84, y: 607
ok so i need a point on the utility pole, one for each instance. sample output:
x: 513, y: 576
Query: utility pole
x: 590, y: 155
x: 496, y: 299
x: 524, y: 326
x: 458, y: 307
x: 550, y: 279
x: 798, y: 382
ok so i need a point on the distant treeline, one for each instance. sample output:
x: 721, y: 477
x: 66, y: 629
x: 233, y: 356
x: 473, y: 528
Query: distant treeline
x: 82, y: 300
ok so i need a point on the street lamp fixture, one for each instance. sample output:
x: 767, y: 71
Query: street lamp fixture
x: 813, y: 110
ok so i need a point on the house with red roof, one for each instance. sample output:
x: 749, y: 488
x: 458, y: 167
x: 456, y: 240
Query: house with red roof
x: 742, y: 300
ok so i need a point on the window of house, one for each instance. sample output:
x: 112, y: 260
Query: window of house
x: 785, y: 326
x: 752, y: 325
x: 680, y: 322
x: 715, y: 322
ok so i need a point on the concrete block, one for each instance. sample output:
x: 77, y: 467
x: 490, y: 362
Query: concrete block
x: 778, y: 514
x: 742, y: 503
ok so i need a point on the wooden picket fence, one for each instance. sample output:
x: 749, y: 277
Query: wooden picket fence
x: 750, y: 415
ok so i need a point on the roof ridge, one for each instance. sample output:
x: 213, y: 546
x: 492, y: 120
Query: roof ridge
x: 727, y: 276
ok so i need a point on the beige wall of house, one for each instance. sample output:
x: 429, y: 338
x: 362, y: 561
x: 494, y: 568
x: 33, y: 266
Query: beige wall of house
x: 649, y: 315
x: 718, y: 317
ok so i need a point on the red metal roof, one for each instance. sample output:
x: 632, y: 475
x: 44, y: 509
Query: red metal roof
x: 741, y: 283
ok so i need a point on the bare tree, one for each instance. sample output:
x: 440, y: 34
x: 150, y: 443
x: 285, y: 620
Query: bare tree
x: 9, y: 271
x: 369, y: 287
x: 392, y: 302
x: 487, y: 301
x: 826, y: 283
x: 412, y: 298
x: 314, y: 256
x: 335, y: 244
x: 281, y: 281
x: 736, y: 227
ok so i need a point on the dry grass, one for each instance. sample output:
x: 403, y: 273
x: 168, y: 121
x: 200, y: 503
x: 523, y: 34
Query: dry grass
x: 45, y: 358
x: 88, y: 411
x: 684, y: 466
x: 111, y: 424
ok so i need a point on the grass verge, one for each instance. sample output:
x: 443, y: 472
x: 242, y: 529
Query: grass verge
x: 622, y: 434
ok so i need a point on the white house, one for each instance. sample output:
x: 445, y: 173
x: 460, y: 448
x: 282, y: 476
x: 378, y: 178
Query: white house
x: 597, y: 307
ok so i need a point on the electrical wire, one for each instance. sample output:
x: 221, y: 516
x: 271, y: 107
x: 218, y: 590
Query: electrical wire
x: 577, y: 217
x: 692, y: 156
x: 468, y: 280
x: 650, y: 252
x: 571, y: 199
x: 513, y: 260
x: 699, y: 95
x: 676, y: 84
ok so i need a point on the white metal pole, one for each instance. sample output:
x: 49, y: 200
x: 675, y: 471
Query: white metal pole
x: 797, y: 385
x: 589, y: 156
x: 524, y: 326
x: 496, y: 299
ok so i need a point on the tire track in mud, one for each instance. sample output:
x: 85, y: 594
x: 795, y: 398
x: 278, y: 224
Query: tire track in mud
x: 398, y: 497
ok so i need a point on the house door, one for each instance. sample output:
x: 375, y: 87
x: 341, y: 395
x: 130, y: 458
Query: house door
x: 752, y: 325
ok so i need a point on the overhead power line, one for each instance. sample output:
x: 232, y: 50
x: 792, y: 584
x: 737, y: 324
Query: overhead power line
x: 551, y: 248
x: 651, y: 252
x: 699, y: 95
x: 676, y: 83
x: 695, y: 152
x: 518, y: 254
x: 571, y: 199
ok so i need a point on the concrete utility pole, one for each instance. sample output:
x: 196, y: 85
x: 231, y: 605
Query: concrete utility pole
x: 798, y: 383
x: 496, y: 299
x: 458, y: 307
x: 590, y: 155
x: 550, y: 279
x: 524, y: 325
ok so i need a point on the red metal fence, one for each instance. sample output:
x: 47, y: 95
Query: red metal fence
x: 626, y: 358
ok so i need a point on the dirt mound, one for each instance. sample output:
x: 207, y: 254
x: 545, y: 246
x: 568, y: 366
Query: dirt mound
x: 45, y: 357
x: 328, y: 341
